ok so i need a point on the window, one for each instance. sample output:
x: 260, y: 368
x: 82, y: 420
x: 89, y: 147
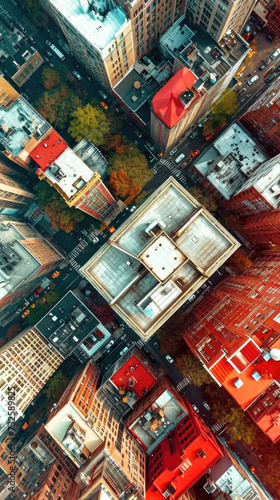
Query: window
x: 121, y: 36
x: 125, y: 59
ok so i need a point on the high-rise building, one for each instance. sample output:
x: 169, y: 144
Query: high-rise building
x: 79, y: 184
x: 235, y: 333
x: 108, y: 37
x: 26, y: 364
x: 228, y: 163
x: 25, y: 257
x: 273, y: 18
x: 260, y: 193
x: 203, y: 69
x: 22, y: 128
x: 262, y: 119
x: 14, y: 195
x: 216, y: 18
x: 262, y: 228
x: 159, y: 257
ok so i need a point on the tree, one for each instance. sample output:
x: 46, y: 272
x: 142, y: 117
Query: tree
x: 55, y: 388
x: 37, y: 313
x: 223, y: 108
x: 134, y: 164
x: 13, y: 331
x: 188, y: 364
x: 142, y: 196
x: 32, y: 5
x: 240, y: 259
x: 89, y: 123
x: 57, y: 105
x: 53, y: 296
x: 50, y: 78
x: 123, y: 186
x: 208, y: 201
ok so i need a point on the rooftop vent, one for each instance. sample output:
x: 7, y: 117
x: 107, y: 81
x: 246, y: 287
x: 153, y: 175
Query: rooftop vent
x: 137, y: 85
x: 256, y: 375
x: 275, y: 354
x: 238, y: 383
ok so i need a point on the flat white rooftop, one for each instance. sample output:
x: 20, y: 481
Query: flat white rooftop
x: 69, y: 172
x: 157, y: 259
x: 97, y: 20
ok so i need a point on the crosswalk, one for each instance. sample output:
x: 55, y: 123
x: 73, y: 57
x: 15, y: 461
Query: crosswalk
x: 180, y: 386
x: 78, y: 249
x: 140, y: 343
x: 219, y: 427
x: 175, y: 171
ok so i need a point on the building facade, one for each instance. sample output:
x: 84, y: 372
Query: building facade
x: 192, y: 51
x: 25, y: 258
x: 26, y: 364
x: 262, y: 228
x: 273, y: 18
x: 235, y: 333
x: 217, y: 18
x: 262, y: 119
x: 14, y: 195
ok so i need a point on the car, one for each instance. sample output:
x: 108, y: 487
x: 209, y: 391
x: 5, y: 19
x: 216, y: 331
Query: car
x: 103, y: 94
x: 173, y: 151
x: 133, y: 208
x: 49, y: 53
x: 191, y: 298
x: 95, y: 239
x: 104, y: 105
x: 252, y: 80
x: 32, y: 306
x: 77, y: 75
x: 26, y: 312
x: 241, y: 92
x: 112, y: 229
x: 109, y: 345
x: 184, y: 164
x: 32, y: 40
x: 275, y: 54
x: 89, y: 78
x: 136, y: 143
x: 195, y: 408
x: 51, y: 65
x: 47, y: 59
x: 262, y: 67
x: 243, y: 100
x: 194, y: 154
x: 48, y: 42
x: 123, y: 350
x: 252, y: 469
x: 206, y: 405
x: 138, y: 133
x: 156, y: 345
x: 169, y: 358
x: 271, y: 77
x: 270, y: 37
x: 55, y: 274
x: 160, y: 154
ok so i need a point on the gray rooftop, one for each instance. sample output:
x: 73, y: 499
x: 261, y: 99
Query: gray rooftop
x: 19, y: 123
x: 97, y: 20
x: 231, y: 160
x: 159, y: 257
x: 199, y: 52
x: 68, y: 324
x: 91, y: 156
x: 17, y: 265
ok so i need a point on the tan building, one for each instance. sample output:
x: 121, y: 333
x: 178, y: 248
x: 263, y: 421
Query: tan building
x: 26, y: 364
x: 203, y: 69
x: 22, y: 128
x: 159, y: 257
x: 14, y: 195
x: 25, y: 257
x: 217, y: 17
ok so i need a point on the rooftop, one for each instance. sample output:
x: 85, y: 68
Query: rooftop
x: 92, y: 157
x: 68, y: 324
x: 68, y: 173
x: 231, y: 160
x: 48, y: 150
x: 98, y: 21
x: 157, y: 259
x: 16, y: 263
x: 20, y: 123
x: 157, y: 421
x: 199, y: 52
x: 169, y: 103
x: 73, y: 434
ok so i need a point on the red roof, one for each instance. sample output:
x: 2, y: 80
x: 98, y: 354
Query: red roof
x: 166, y: 104
x: 48, y: 150
x: 134, y: 372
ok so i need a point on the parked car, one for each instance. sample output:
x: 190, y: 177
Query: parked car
x: 264, y: 64
x: 32, y: 40
x: 26, y: 312
x: 241, y: 92
x: 184, y: 164
x: 109, y: 345
x: 252, y: 80
x: 206, y: 405
x: 275, y: 54
x: 191, y: 298
x: 48, y: 42
x: 271, y: 77
x: 123, y: 350
x: 156, y: 345
x: 195, y: 408
x: 194, y: 154
x: 173, y: 151
x: 169, y: 358
x: 103, y: 94
x: 138, y: 133
x: 104, y: 105
x: 133, y: 208
x: 77, y: 75
x: 55, y: 274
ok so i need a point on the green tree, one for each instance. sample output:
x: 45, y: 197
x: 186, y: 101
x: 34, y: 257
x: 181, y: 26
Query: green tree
x: 188, y: 364
x: 32, y: 5
x: 89, y: 123
x: 37, y: 313
x: 55, y: 388
x: 134, y: 164
x: 208, y: 201
x: 240, y: 259
x: 223, y: 108
x: 53, y: 295
x: 57, y: 105
x: 50, y: 78
x: 142, y: 196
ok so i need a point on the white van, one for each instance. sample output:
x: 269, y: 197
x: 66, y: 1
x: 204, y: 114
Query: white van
x: 180, y: 158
